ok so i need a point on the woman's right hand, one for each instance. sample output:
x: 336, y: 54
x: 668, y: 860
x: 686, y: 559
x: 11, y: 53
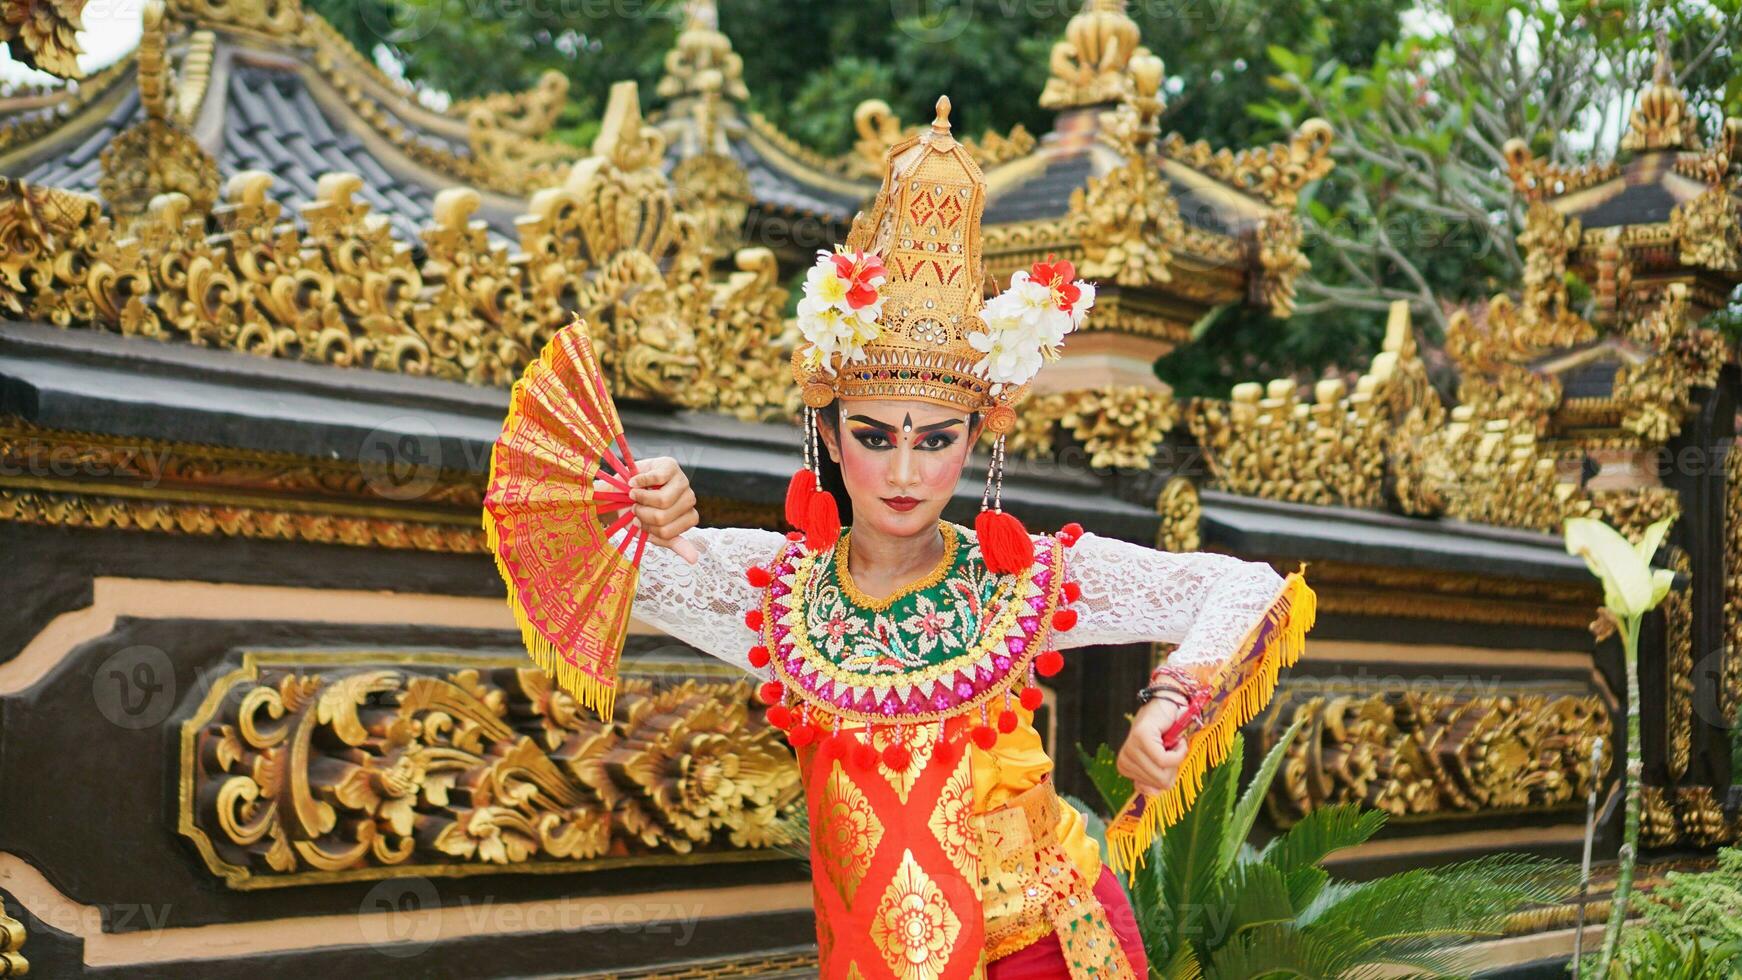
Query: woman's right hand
x: 665, y: 505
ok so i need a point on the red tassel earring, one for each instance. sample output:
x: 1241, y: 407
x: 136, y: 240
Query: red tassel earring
x: 1004, y: 542
x: 809, y: 507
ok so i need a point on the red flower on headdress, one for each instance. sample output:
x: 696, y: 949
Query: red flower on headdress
x: 1060, y: 277
x: 864, y: 273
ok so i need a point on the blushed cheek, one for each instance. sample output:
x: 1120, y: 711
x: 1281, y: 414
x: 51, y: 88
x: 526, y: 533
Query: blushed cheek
x: 861, y: 468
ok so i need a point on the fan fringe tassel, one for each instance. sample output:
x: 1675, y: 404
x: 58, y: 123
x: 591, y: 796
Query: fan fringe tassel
x: 1291, y: 615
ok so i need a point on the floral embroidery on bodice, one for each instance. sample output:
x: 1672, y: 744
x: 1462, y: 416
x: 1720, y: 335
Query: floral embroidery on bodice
x: 943, y: 646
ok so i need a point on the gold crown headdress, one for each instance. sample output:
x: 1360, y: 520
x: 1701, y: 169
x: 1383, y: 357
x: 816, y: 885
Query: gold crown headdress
x: 901, y: 312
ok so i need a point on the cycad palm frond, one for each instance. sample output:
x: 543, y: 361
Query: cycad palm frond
x: 1321, y: 832
x: 1282, y: 951
x: 1419, y: 910
x: 1190, y: 867
x: 1251, y: 801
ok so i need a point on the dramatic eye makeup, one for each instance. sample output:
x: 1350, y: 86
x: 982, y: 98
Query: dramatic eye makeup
x: 878, y: 434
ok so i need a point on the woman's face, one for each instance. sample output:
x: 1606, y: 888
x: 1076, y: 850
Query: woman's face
x: 900, y: 461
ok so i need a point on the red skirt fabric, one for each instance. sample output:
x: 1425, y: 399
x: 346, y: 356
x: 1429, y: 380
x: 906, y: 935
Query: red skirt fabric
x: 1045, y: 960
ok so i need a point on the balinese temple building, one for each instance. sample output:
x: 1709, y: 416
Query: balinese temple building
x: 264, y: 710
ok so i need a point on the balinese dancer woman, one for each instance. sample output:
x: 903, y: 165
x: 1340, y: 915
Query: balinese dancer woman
x: 903, y: 655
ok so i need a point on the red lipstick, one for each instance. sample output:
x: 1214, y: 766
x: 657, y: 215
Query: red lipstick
x: 901, y: 504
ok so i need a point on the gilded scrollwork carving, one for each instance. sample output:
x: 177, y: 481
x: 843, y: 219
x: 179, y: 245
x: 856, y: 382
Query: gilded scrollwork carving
x: 1119, y: 426
x: 1656, y: 392
x: 1731, y: 693
x: 297, y: 772
x: 1537, y: 178
x: 1128, y: 224
x: 1280, y: 263
x: 610, y: 244
x: 1277, y: 172
x: 1428, y: 753
x: 715, y: 189
x: 1688, y: 816
x: 1266, y: 441
x: 1088, y: 65
x: 1678, y: 616
x: 44, y: 34
x: 1708, y: 230
x: 1182, y: 516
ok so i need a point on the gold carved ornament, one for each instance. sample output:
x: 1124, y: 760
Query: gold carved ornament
x: 12, y: 935
x: 1708, y: 230
x: 44, y: 34
x: 1678, y: 624
x: 1731, y: 695
x: 299, y: 772
x: 1088, y: 65
x: 1182, y: 516
x: 1689, y: 816
x: 1277, y: 173
x: 1656, y: 393
x: 1429, y: 754
x: 1119, y: 426
x: 1268, y: 442
x: 157, y: 155
x: 610, y: 244
x: 1661, y: 120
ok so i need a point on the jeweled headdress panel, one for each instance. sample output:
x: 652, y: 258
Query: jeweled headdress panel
x: 925, y: 224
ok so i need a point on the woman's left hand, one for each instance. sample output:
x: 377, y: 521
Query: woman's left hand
x: 1143, y: 759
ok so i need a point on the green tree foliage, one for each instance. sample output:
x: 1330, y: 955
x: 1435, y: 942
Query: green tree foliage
x: 1209, y: 904
x: 1420, y: 207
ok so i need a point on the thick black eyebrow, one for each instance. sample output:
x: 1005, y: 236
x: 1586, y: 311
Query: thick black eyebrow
x: 886, y: 427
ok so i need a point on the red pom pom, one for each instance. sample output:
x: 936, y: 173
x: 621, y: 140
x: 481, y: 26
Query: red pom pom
x: 795, y: 535
x: 947, y: 751
x: 1007, y: 722
x: 822, y: 522
x: 780, y: 716
x: 759, y: 656
x: 985, y: 737
x: 864, y: 755
x: 897, y: 757
x: 1049, y: 663
x: 772, y: 692
x: 802, y: 734
x: 1073, y: 592
x: 798, y: 496
x: 1064, y: 619
x: 1004, y: 542
x: 1032, y: 698
x: 758, y: 576
x: 1070, y: 533
x: 753, y: 619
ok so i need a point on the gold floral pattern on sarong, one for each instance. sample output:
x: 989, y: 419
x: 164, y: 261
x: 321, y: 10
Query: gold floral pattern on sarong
x: 952, y: 823
x: 849, y: 836
x: 919, y: 740
x: 914, y: 928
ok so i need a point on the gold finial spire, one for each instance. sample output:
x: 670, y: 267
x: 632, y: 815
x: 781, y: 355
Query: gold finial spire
x: 1661, y: 120
x: 1088, y: 66
x: 703, y: 62
x: 941, y: 125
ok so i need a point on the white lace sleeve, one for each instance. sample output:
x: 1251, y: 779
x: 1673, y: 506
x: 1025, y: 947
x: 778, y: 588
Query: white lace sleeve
x: 1208, y: 604
x: 704, y: 604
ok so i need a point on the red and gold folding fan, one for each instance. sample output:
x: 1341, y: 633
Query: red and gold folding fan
x: 559, y: 543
